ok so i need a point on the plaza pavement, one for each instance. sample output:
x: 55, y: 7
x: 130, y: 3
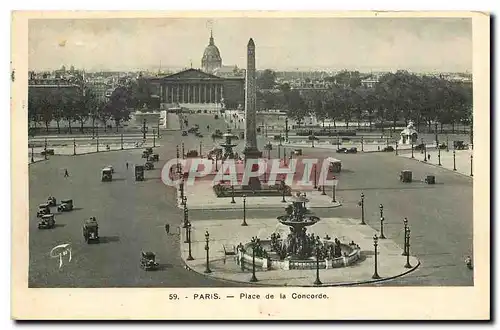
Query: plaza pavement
x: 391, y: 262
x: 462, y: 160
x: 132, y: 216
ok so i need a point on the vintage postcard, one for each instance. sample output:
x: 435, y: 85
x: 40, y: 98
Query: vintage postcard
x: 250, y: 165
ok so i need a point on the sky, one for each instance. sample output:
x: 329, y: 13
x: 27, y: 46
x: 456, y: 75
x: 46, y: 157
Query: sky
x: 365, y: 44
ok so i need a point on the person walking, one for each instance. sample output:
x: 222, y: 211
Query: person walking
x: 167, y: 228
x: 66, y: 174
x: 126, y: 164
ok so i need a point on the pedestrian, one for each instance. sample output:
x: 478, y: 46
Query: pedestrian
x: 126, y: 164
x: 66, y: 174
x: 167, y: 228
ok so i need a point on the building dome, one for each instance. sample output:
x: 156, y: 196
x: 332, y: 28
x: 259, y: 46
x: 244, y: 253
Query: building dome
x: 211, y: 59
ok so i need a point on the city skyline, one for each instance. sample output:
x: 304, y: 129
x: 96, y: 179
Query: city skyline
x: 283, y: 44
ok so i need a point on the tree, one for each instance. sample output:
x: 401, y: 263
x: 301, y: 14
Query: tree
x: 118, y: 102
x: 33, y: 109
x: 297, y: 108
x: 47, y: 112
x: 266, y: 79
x: 346, y: 78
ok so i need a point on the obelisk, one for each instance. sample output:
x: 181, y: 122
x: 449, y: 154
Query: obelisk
x: 251, y: 151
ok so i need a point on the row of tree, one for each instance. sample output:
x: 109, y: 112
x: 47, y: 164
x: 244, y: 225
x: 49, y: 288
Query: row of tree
x: 78, y: 105
x: 397, y: 97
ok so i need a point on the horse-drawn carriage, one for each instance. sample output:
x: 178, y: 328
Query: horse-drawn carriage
x: 106, y: 174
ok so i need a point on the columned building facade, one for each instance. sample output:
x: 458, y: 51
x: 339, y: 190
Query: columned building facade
x: 194, y: 86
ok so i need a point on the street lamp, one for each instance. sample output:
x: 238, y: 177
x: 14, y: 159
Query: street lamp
x: 232, y: 195
x: 439, y: 156
x: 425, y: 153
x: 74, y: 146
x: 200, y: 150
x: 362, y: 204
x: 190, y: 257
x: 186, y: 218
x: 315, y: 176
x: 447, y: 144
x: 207, y: 248
x: 45, y: 149
x: 412, y: 156
x: 32, y: 154
x: 408, y: 249
x: 254, y: 244
x: 283, y: 186
x: 471, y: 174
x: 375, y: 244
x: 323, y: 188
x: 187, y: 225
x: 334, y: 193
x: 436, y: 132
x: 121, y: 141
x: 97, y: 144
x: 144, y: 129
x: 154, y: 139
x: 362, y: 144
x: 181, y: 188
x: 454, y: 161
x: 382, y: 219
x: 381, y: 208
x: 405, y: 222
x: 318, y: 281
x: 183, y: 153
x: 397, y: 147
x: 286, y: 129
x: 244, y: 224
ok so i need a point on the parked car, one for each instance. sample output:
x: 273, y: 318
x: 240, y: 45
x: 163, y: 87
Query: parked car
x: 66, y: 205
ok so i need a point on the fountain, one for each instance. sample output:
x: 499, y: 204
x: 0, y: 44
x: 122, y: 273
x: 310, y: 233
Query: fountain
x: 298, y: 249
x: 409, y: 135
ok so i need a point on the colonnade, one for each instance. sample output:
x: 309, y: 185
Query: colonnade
x: 191, y: 93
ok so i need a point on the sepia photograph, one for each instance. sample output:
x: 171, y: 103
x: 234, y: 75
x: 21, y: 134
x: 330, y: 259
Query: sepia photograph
x: 249, y: 151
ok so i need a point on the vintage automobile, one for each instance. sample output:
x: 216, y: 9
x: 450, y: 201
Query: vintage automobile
x: 43, y: 209
x: 341, y: 150
x: 216, y: 117
x: 184, y: 133
x: 297, y: 152
x: 139, y: 173
x: 106, y: 174
x: 352, y: 150
x: 47, y: 222
x: 91, y: 230
x: 153, y: 158
x: 111, y: 168
x: 149, y: 166
x: 66, y: 205
x: 148, y: 261
x: 334, y: 165
x: 48, y: 152
x: 192, y: 154
x: 459, y: 145
x: 51, y: 201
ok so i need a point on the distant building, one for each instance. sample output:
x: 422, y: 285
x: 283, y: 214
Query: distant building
x: 369, y: 82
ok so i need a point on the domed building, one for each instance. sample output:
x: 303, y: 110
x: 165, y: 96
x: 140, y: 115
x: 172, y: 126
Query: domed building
x: 211, y: 59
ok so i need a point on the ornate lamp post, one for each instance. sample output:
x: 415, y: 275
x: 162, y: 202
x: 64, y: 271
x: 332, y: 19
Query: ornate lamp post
x: 97, y: 144
x: 425, y: 153
x: 375, y: 244
x: 439, y: 156
x: 447, y: 144
x: 397, y: 147
x: 315, y: 176
x: 200, y: 150
x: 207, y: 248
x: 408, y: 249
x: 283, y: 186
x: 362, y: 144
x: 323, y: 188
x: 405, y: 222
x: 334, y: 193
x: 436, y: 132
x: 338, y: 142
x: 121, y: 141
x: 232, y: 195
x: 382, y: 219
x: 471, y: 174
x: 183, y: 153
x: 362, y: 204
x: 318, y: 281
x: 45, y: 149
x: 154, y: 139
x: 144, y: 129
x: 454, y: 161
x: 74, y: 146
x: 187, y: 226
x: 181, y: 188
x: 254, y: 244
x: 186, y: 218
x: 190, y: 256
x: 177, y: 158
x: 244, y: 224
x: 32, y: 154
x: 412, y: 156
x: 284, y: 156
x: 381, y: 208
x: 286, y: 129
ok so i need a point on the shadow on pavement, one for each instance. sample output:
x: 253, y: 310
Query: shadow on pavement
x: 108, y: 239
x: 58, y: 225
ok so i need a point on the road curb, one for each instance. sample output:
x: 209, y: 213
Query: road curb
x: 436, y: 165
x: 254, y: 207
